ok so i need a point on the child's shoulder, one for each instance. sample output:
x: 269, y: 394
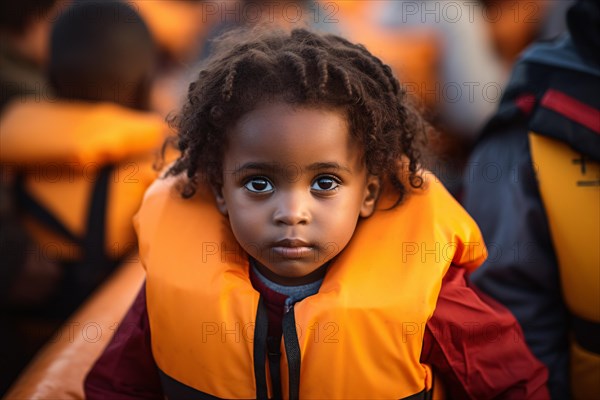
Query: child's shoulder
x: 430, y: 195
x: 432, y: 208
x: 164, y: 196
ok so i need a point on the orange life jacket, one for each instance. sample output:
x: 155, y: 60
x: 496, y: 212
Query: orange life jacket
x: 65, y: 150
x: 570, y: 190
x: 360, y: 336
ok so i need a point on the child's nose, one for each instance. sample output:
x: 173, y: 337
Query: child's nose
x: 292, y: 209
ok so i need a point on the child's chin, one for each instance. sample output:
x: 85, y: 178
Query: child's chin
x: 293, y: 269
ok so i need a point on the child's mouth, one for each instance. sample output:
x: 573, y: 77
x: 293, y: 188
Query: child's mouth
x: 292, y: 252
x: 292, y: 248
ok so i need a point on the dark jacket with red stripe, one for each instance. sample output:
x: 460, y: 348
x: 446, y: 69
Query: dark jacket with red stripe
x: 554, y: 90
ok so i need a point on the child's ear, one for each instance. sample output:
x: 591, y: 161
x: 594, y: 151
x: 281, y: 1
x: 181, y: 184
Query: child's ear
x: 370, y: 197
x: 221, y: 204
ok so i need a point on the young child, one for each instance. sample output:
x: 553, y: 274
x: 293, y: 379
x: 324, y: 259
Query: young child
x: 296, y: 249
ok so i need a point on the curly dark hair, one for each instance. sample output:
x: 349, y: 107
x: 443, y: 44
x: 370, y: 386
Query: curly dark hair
x: 306, y: 69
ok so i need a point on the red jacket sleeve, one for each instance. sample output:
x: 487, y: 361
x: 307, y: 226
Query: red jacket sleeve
x: 477, y: 347
x: 127, y: 370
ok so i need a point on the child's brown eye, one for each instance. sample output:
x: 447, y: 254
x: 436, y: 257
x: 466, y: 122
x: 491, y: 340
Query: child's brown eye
x: 325, y: 183
x: 259, y: 185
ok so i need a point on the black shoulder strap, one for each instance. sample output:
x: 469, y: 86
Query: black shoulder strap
x: 96, y: 262
x: 32, y: 207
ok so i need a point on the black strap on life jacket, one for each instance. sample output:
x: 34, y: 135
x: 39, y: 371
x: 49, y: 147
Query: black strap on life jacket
x: 292, y: 351
x: 260, y: 342
x: 264, y: 345
x: 33, y: 208
x: 274, y: 353
x: 95, y: 263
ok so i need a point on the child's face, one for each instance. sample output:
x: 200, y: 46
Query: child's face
x: 294, y: 186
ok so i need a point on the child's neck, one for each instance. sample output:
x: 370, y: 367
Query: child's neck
x: 294, y: 293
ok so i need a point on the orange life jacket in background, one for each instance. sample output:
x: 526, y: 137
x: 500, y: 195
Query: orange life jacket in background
x: 83, y: 170
x: 360, y: 336
x: 570, y: 190
x: 35, y: 132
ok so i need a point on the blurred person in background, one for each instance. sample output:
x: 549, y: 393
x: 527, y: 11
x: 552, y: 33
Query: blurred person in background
x: 83, y: 161
x: 454, y: 57
x: 533, y: 186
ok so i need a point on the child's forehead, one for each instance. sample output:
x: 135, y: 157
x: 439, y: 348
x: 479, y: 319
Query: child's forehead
x: 282, y: 122
x: 279, y: 132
